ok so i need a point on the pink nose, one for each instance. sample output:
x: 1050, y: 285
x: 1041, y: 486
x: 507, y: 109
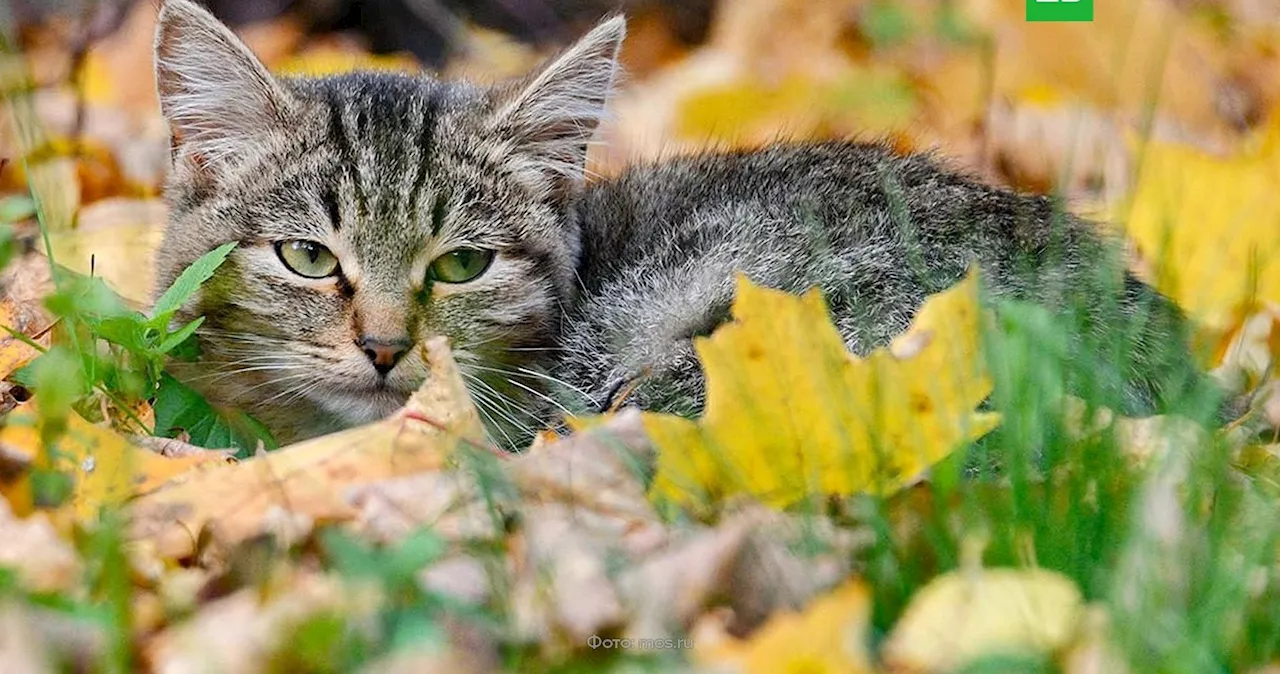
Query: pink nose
x: 383, y: 353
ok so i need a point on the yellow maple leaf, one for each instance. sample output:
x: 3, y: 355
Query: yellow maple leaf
x: 790, y: 412
x: 828, y: 637
x: 1211, y: 227
x: 963, y: 615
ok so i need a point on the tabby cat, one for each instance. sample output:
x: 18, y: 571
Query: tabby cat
x: 375, y: 210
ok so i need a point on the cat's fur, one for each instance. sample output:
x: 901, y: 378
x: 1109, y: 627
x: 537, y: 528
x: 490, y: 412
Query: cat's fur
x: 597, y: 287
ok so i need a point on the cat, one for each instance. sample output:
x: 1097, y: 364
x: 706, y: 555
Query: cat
x: 373, y: 211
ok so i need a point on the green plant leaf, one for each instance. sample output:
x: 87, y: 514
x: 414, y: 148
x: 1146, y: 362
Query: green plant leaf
x: 179, y: 408
x: 189, y: 282
x: 349, y: 556
x: 126, y: 331
x: 86, y: 298
x: 416, y: 552
x: 6, y: 244
x: 58, y: 375
x: 175, y: 339
x: 886, y: 24
x: 16, y: 208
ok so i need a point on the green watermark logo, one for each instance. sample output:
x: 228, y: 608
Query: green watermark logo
x: 1059, y: 10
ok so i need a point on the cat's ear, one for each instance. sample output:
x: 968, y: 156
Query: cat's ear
x: 552, y: 114
x: 220, y: 100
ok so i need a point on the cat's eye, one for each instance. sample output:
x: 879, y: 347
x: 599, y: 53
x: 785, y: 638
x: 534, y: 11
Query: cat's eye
x: 461, y: 265
x: 307, y: 258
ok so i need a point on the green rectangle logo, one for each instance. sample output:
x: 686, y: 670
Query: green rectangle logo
x: 1059, y: 10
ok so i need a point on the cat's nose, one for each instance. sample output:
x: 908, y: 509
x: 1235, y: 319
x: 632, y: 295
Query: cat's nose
x: 383, y: 353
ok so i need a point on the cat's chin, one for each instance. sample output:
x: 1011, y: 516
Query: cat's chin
x: 358, y: 407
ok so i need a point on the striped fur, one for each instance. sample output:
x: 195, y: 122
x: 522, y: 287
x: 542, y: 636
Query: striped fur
x: 594, y: 287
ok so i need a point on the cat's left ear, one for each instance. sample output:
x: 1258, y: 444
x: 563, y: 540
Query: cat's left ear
x: 552, y: 114
x: 220, y: 100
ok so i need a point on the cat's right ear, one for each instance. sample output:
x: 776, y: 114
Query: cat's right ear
x: 220, y: 100
x: 552, y: 114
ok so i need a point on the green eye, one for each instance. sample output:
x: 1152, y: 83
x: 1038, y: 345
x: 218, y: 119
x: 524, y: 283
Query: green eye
x: 307, y: 258
x: 461, y: 265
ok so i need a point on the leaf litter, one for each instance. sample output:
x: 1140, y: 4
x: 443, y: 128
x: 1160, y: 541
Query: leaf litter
x: 699, y: 543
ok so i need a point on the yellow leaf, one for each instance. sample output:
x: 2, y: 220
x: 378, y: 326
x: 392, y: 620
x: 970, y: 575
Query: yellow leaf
x: 790, y: 412
x: 322, y: 61
x: 115, y: 241
x: 14, y: 353
x: 870, y: 100
x: 1211, y: 227
x: 829, y: 637
x: 107, y: 469
x: 963, y: 615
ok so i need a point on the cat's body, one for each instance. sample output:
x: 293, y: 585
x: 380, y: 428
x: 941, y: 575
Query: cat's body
x: 875, y: 231
x: 376, y: 211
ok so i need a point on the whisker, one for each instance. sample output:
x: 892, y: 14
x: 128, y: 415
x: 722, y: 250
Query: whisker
x: 481, y: 403
x: 219, y: 376
x: 538, y: 393
x: 533, y: 373
x: 502, y: 410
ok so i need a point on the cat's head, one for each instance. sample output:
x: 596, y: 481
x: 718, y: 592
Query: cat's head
x: 372, y: 212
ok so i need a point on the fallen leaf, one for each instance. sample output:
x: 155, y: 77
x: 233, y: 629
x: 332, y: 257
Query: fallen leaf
x: 115, y: 240
x: 1245, y: 356
x: 963, y: 615
x: 21, y: 646
x: 105, y: 467
x: 791, y: 413
x: 1210, y: 226
x: 244, y: 631
x: 309, y: 479
x: 32, y: 548
x: 14, y: 352
x: 1094, y: 652
x: 338, y: 59
x: 829, y: 637
x: 750, y: 563
x: 561, y: 592
x: 873, y: 101
x: 35, y: 640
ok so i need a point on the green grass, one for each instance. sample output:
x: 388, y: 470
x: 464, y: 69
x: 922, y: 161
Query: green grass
x: 1182, y: 550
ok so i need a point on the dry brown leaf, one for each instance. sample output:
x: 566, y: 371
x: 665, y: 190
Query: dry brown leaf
x: 1111, y: 60
x: 22, y: 649
x: 310, y: 478
x: 32, y: 548
x: 1043, y: 146
x: 15, y: 353
x: 461, y: 578
x: 117, y: 69
x: 668, y: 591
x: 448, y: 502
x: 243, y: 631
x: 1248, y: 354
x: 34, y: 639
x: 561, y: 592
x: 595, y: 470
